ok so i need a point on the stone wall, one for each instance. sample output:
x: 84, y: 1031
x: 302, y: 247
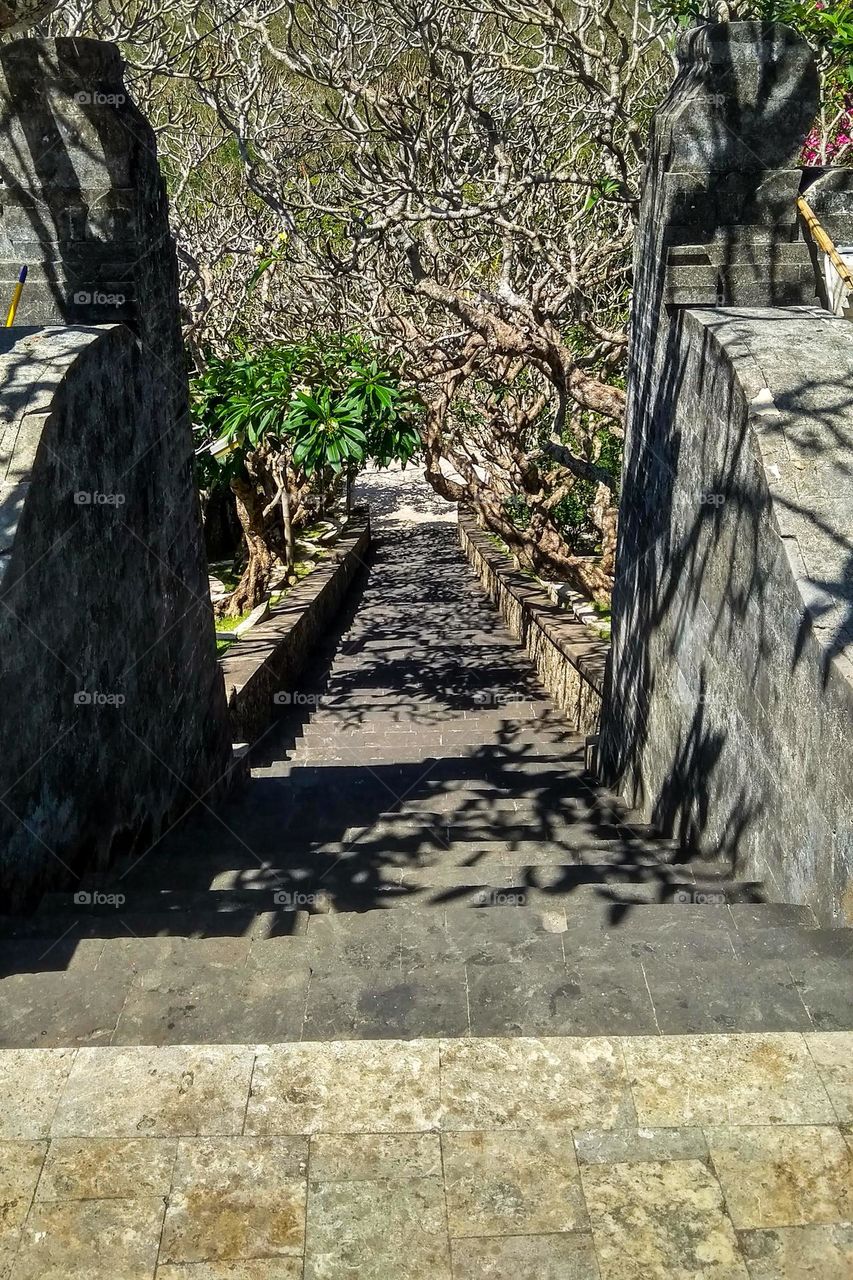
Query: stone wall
x: 262, y: 671
x: 568, y: 656
x: 729, y: 703
x: 114, y: 711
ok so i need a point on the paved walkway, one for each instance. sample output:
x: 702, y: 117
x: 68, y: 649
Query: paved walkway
x: 424, y: 1001
x: 643, y: 1158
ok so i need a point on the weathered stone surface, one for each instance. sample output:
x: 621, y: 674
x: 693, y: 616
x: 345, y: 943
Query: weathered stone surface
x: 717, y: 1080
x: 534, y: 1084
x: 236, y: 1198
x: 833, y: 1055
x: 377, y: 1229
x: 356, y: 1087
x: 31, y: 1081
x: 679, y: 1228
x: 165, y: 1092
x: 783, y: 1175
x: 733, y: 597
x: 107, y: 1168
x: 506, y: 1183
x: 98, y: 1239
x: 567, y: 1256
x: 106, y: 628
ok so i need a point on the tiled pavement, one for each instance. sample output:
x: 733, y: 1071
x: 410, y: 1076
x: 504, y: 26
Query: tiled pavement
x: 420, y: 877
x: 635, y: 1158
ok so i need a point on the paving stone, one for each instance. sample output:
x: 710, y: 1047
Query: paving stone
x: 107, y: 1168
x: 371, y: 1157
x: 372, y: 941
x: 508, y: 1183
x: 783, y: 1175
x: 724, y: 994
x: 236, y: 1198
x: 31, y: 1081
x: 375, y: 1004
x: 374, y: 1230
x: 205, y: 1005
x: 731, y: 1079
x: 587, y: 997
x: 674, y: 1215
x: 263, y: 1269
x: 20, y: 1166
x: 799, y: 1253
x: 826, y: 989
x: 567, y: 1256
x: 90, y: 1240
x: 165, y: 1091
x: 529, y: 1084
x: 631, y: 1146
x: 53, y: 1010
x: 345, y: 1087
x: 832, y: 1053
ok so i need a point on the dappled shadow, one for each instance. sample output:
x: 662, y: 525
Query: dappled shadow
x: 420, y: 764
x: 726, y: 635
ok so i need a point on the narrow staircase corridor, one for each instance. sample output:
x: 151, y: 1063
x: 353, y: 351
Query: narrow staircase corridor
x: 423, y: 1002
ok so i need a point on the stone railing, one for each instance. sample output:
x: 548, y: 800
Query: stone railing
x: 729, y: 706
x: 113, y: 704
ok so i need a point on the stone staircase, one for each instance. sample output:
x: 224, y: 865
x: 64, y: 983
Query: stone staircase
x: 419, y: 851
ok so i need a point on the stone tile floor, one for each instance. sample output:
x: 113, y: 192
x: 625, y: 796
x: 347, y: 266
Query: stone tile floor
x: 601, y: 1158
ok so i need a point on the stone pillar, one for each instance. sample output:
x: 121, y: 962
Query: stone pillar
x: 718, y: 227
x: 82, y: 202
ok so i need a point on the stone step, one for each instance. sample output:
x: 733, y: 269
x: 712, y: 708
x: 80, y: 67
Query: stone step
x: 71, y: 926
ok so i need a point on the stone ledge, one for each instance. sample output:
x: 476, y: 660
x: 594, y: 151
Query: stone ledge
x: 570, y: 660
x: 274, y: 654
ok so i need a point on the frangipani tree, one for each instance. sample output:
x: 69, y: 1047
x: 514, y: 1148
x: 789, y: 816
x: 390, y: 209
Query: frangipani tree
x: 281, y: 423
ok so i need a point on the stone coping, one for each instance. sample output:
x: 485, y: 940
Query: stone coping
x: 269, y: 659
x: 570, y: 659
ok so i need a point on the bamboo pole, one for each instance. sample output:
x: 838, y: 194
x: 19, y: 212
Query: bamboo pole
x: 823, y: 242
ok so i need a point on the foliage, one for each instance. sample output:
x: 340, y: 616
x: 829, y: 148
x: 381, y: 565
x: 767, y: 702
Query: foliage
x: 284, y: 420
x: 328, y: 402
